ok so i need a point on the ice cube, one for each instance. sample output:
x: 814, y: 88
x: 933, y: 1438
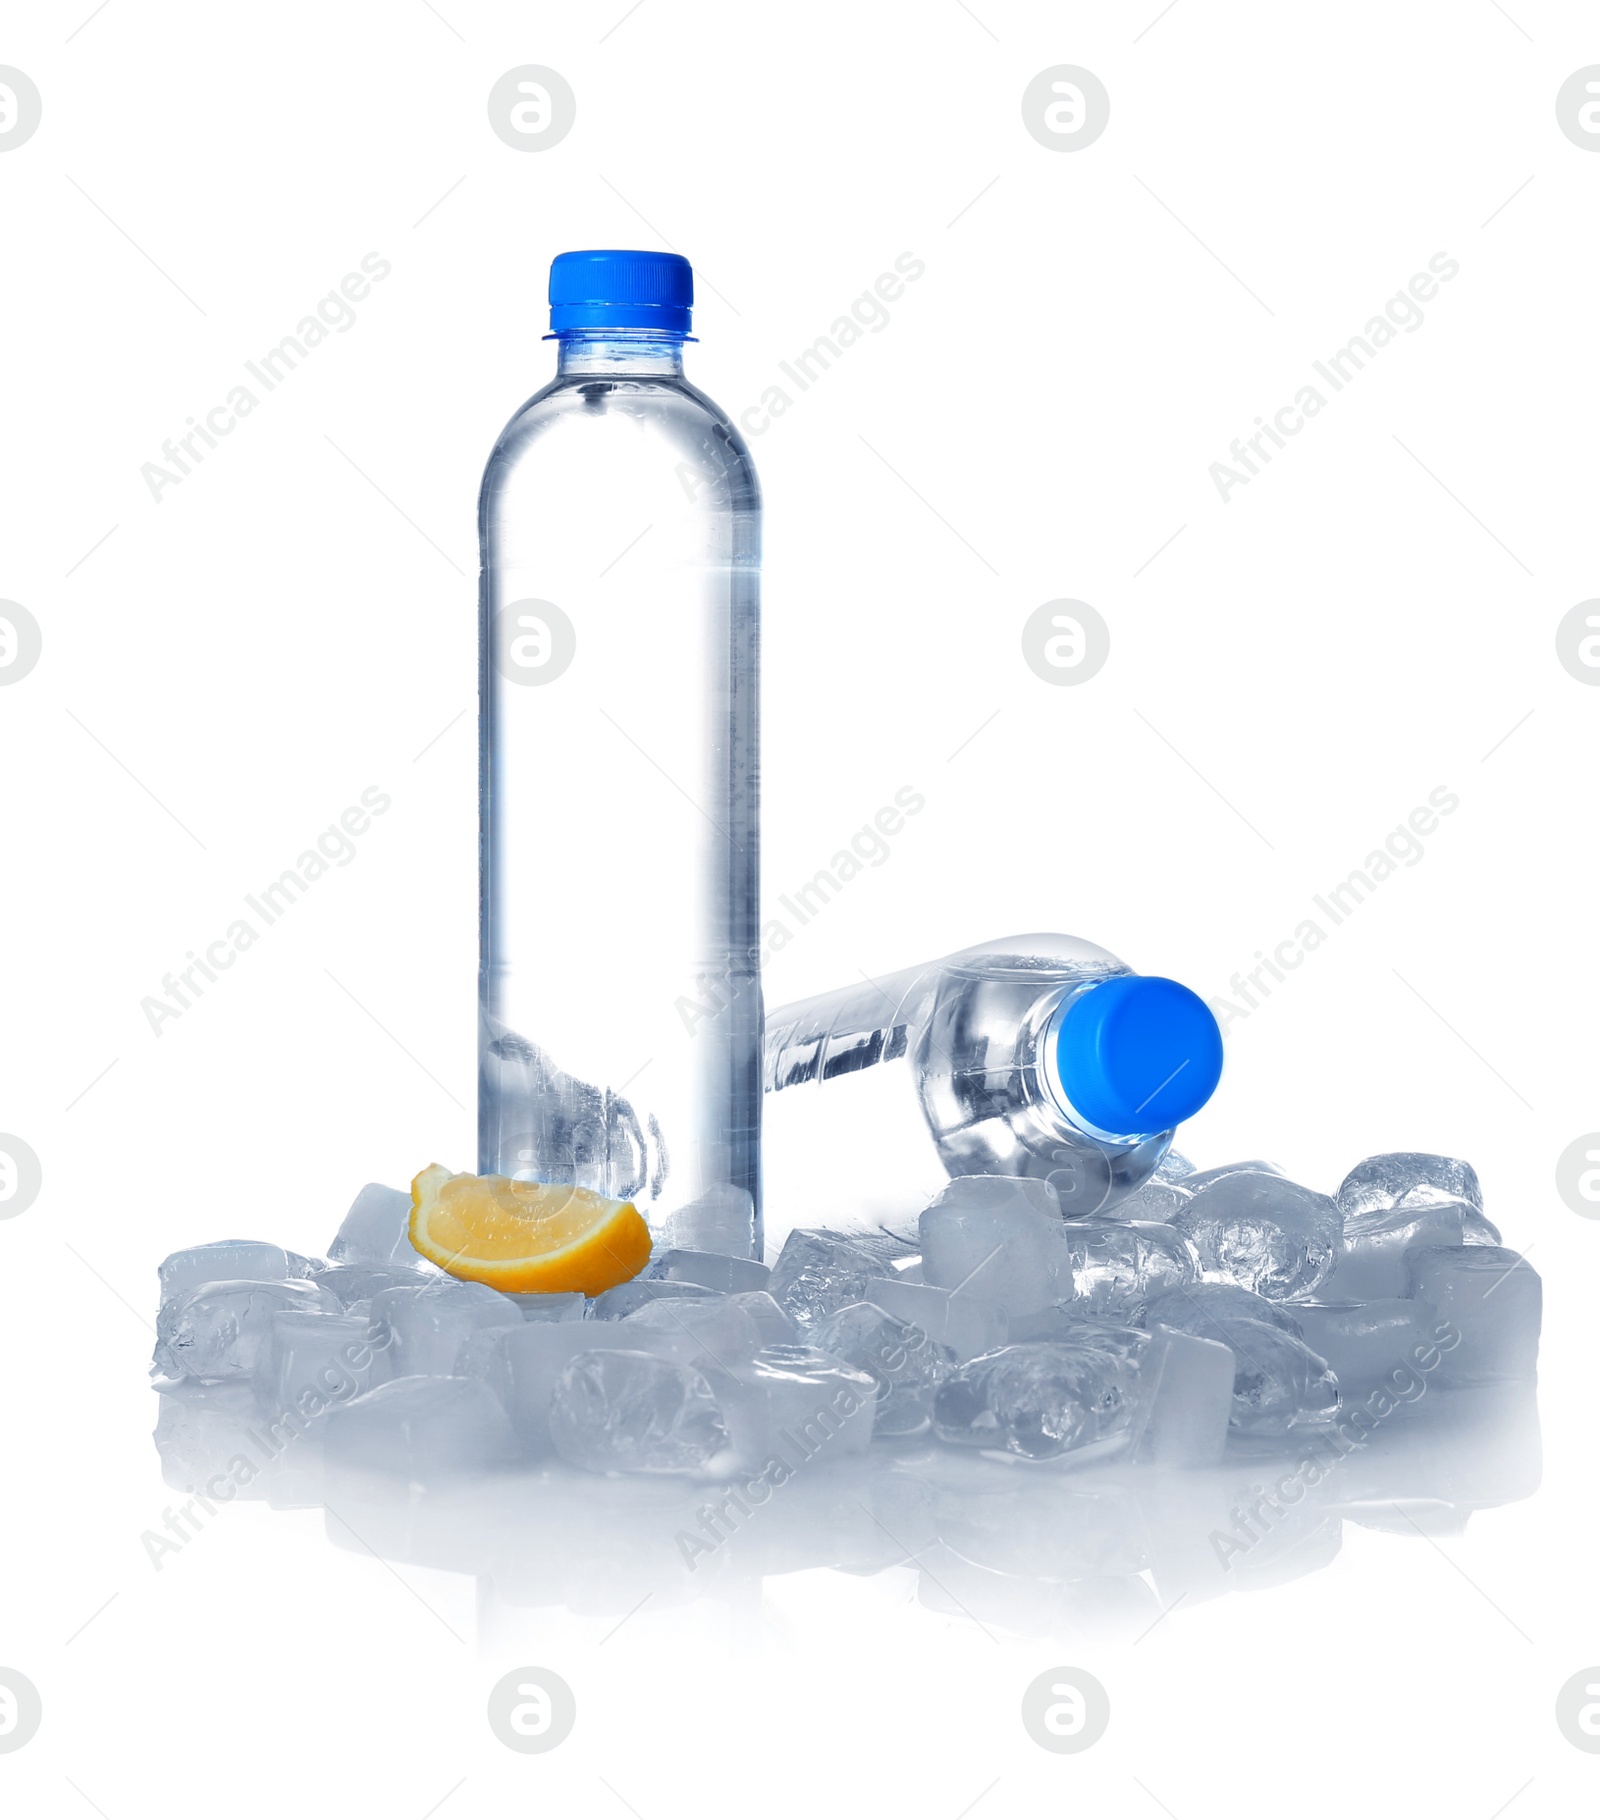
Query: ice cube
x: 353, y: 1283
x: 684, y: 1327
x: 1279, y: 1383
x: 1113, y: 1267
x: 481, y: 1355
x: 1188, y: 1395
x: 992, y: 1193
x: 376, y: 1230
x: 633, y: 1412
x: 424, y: 1328
x: 1263, y: 1232
x: 1477, y: 1230
x: 1127, y: 1345
x: 627, y: 1298
x: 819, y: 1271
x: 793, y: 1404
x: 905, y: 1364
x: 1156, y: 1199
x: 553, y: 1307
x: 521, y: 1368
x: 1492, y: 1298
x: 1204, y: 1178
x: 1378, y: 1182
x: 421, y: 1429
x: 772, y: 1323
x: 1173, y: 1167
x: 218, y: 1330
x: 1366, y: 1343
x: 1041, y: 1400
x: 1203, y: 1308
x: 711, y: 1270
x: 1059, y: 1322
x: 225, y: 1261
x: 1371, y: 1263
x: 1279, y: 1380
x: 723, y: 1219
x: 998, y: 1237
x: 314, y: 1360
x: 953, y: 1318
x: 895, y: 1251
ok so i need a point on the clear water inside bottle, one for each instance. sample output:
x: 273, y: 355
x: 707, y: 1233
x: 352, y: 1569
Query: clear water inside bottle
x: 619, y: 987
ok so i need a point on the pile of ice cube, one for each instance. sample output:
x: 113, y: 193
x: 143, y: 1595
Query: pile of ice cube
x: 1219, y: 1301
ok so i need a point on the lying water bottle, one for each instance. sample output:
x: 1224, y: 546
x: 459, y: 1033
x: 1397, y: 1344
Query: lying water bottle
x: 1039, y: 1055
x: 620, y: 519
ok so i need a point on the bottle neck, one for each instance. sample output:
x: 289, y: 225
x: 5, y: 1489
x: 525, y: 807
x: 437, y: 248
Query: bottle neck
x: 616, y: 352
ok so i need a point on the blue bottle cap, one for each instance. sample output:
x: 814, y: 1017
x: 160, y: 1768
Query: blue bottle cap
x: 1138, y: 1054
x: 621, y: 290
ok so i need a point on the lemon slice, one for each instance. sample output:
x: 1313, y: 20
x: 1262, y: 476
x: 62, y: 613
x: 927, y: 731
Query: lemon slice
x: 522, y: 1237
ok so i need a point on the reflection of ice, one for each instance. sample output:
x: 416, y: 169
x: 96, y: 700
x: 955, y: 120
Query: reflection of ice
x: 540, y: 1124
x: 1027, y: 1549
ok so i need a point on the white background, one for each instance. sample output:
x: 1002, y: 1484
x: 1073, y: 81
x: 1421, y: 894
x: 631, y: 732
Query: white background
x: 294, y: 622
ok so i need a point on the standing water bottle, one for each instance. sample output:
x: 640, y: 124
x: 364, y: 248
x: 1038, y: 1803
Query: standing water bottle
x: 1039, y: 1055
x: 620, y: 519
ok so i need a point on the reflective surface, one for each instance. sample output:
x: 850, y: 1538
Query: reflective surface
x: 1034, y: 1550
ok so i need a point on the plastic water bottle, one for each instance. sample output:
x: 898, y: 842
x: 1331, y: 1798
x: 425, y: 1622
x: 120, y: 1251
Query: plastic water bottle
x: 1038, y: 1055
x: 620, y: 518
